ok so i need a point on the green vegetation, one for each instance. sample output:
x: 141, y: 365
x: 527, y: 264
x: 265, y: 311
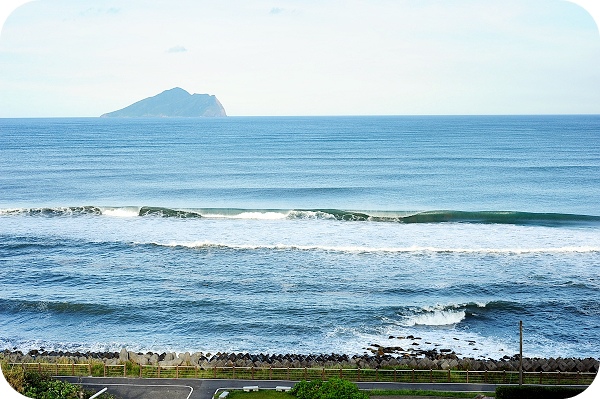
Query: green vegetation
x: 38, y: 385
x: 536, y: 392
x: 97, y: 368
x: 333, y: 388
x: 420, y: 392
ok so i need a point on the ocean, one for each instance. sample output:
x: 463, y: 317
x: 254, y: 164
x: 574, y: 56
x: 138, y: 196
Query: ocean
x: 301, y: 234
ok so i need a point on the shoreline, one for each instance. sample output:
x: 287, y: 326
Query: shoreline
x: 433, y: 360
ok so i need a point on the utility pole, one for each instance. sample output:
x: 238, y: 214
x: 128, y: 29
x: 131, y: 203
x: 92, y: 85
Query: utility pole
x: 520, y: 352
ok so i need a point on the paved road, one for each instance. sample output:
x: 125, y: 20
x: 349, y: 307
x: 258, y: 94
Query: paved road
x: 150, y: 388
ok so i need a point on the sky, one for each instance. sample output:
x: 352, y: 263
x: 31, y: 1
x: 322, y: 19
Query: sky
x: 73, y: 58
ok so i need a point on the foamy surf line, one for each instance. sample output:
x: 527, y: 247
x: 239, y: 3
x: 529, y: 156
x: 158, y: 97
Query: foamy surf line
x: 398, y: 343
x: 408, y: 217
x: 359, y: 249
x: 441, y: 315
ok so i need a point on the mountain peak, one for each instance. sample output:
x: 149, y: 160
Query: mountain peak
x: 175, y: 102
x: 176, y: 90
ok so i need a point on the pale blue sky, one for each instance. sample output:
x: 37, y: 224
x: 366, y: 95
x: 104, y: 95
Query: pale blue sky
x: 293, y: 57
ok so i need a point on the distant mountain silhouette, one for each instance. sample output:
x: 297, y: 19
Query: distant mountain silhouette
x: 173, y: 102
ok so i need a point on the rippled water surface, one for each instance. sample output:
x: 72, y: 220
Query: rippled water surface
x: 305, y: 235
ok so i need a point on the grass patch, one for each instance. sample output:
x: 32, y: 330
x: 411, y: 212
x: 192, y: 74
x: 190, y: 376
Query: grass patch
x: 420, y: 392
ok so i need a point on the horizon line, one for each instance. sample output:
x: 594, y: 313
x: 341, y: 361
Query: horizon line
x: 298, y: 116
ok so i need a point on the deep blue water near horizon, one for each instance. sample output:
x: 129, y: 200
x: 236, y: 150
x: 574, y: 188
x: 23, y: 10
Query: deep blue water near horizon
x: 301, y: 234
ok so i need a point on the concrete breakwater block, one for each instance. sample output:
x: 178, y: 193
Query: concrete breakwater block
x: 435, y: 361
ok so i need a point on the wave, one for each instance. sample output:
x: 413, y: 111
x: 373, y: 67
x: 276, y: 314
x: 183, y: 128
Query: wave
x: 58, y: 211
x: 18, y: 306
x: 452, y: 314
x: 359, y: 249
x: 437, y: 318
x: 435, y: 216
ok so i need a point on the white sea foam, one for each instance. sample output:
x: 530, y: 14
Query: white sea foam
x: 439, y: 315
x: 122, y: 212
x: 253, y: 215
x: 437, y: 318
x: 262, y: 215
x: 365, y: 249
x: 309, y: 215
x: 11, y: 211
x: 467, y: 344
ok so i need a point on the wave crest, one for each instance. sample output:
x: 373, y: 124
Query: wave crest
x: 437, y: 318
x: 436, y: 216
x: 452, y: 314
x: 383, y: 250
x: 440, y: 315
x: 49, y: 212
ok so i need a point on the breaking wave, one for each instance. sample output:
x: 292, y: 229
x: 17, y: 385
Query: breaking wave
x: 360, y: 249
x: 437, y: 318
x: 437, y: 216
x: 452, y: 314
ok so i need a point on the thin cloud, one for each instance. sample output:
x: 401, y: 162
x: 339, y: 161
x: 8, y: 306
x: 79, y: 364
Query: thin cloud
x: 96, y: 11
x: 276, y: 10
x: 177, y: 49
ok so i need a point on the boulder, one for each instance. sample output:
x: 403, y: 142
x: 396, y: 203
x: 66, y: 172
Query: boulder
x: 195, y: 359
x: 205, y: 365
x: 134, y: 357
x: 112, y: 362
x: 186, y: 358
x: 123, y: 355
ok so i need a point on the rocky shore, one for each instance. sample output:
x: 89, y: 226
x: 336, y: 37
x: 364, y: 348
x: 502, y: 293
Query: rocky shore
x: 425, y: 360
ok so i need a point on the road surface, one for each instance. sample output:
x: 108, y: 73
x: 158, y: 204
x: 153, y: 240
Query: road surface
x: 163, y: 388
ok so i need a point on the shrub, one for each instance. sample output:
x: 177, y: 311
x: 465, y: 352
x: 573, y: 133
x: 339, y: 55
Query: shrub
x: 15, y: 376
x: 53, y: 389
x: 334, y: 388
x: 536, y: 392
x: 307, y: 389
x: 41, y: 386
x: 132, y: 369
x: 98, y: 369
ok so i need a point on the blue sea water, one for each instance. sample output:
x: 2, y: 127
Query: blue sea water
x: 301, y: 234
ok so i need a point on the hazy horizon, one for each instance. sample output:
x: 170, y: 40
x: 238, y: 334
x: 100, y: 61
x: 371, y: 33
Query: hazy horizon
x: 284, y: 58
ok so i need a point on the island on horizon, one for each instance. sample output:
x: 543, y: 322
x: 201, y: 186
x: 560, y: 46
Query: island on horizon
x: 175, y: 102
